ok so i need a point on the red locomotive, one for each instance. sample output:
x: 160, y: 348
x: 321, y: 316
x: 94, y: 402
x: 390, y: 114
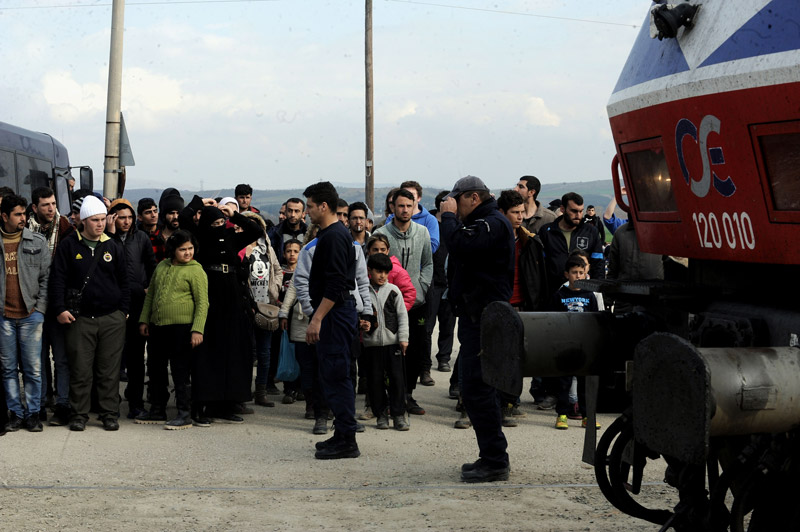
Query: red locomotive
x: 706, y: 122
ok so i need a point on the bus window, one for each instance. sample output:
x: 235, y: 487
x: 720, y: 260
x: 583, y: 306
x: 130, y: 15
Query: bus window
x: 7, y: 172
x: 32, y: 173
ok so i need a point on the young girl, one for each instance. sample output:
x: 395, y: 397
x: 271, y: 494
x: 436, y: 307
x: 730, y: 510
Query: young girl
x: 398, y: 276
x: 264, y: 280
x: 174, y: 317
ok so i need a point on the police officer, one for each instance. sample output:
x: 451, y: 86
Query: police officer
x: 480, y: 241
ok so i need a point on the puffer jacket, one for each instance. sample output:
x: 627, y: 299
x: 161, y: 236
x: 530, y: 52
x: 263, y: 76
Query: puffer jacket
x: 400, y: 278
x: 391, y: 317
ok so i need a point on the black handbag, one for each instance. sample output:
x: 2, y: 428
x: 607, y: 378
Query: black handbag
x: 73, y: 297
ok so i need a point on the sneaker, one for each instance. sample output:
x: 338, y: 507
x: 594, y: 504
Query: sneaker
x: 110, y: 423
x: 401, y: 423
x: 360, y: 427
x: 462, y: 422
x: 77, y: 424
x: 508, y: 418
x: 425, y: 378
x: 574, y: 411
x: 33, y: 424
x: 343, y: 447
x: 383, y: 423
x: 320, y: 426
x: 453, y: 392
x: 273, y: 390
x: 414, y: 408
x: 548, y: 403
x: 366, y: 415
x: 183, y: 421
x: 481, y: 473
x: 288, y: 399
x: 201, y: 421
x: 561, y: 422
x: 228, y: 418
x: 14, y: 423
x: 155, y: 416
x: 585, y: 422
x: 444, y: 367
x: 300, y: 396
x: 516, y: 412
x: 60, y: 416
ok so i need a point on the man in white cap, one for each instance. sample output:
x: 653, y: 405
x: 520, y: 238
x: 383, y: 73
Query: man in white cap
x: 90, y: 296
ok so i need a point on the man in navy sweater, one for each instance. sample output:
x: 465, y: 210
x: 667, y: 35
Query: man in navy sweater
x: 480, y: 241
x: 334, y: 321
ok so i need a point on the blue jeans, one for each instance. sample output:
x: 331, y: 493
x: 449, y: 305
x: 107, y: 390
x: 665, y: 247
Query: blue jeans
x: 27, y: 334
x: 263, y: 344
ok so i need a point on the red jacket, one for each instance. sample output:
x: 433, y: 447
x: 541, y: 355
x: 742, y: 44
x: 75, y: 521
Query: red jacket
x: 400, y: 278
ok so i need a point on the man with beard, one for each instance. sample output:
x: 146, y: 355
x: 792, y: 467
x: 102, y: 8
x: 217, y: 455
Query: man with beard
x: 147, y: 216
x: 47, y: 221
x: 411, y: 243
x: 357, y: 219
x: 566, y: 234
x: 169, y: 208
x: 536, y: 216
x: 291, y: 228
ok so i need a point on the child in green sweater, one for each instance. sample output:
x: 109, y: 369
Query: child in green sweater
x: 174, y: 317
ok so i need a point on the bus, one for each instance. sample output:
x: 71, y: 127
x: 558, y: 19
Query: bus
x: 29, y: 160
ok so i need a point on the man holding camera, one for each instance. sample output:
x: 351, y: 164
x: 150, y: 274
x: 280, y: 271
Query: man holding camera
x: 90, y: 295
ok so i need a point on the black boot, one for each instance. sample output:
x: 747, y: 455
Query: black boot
x: 346, y: 447
x: 156, y: 415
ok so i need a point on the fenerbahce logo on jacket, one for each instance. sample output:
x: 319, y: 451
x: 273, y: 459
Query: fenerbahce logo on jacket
x: 107, y: 256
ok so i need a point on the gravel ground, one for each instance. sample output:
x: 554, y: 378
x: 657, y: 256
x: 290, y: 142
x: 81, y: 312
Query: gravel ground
x: 262, y: 475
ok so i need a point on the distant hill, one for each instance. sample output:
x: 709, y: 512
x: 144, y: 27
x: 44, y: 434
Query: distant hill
x: 597, y: 193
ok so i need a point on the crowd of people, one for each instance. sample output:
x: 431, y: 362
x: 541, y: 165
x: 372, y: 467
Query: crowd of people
x: 209, y: 289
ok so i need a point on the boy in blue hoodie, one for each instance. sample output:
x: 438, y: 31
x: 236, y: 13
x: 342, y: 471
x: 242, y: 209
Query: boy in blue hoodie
x: 385, y: 344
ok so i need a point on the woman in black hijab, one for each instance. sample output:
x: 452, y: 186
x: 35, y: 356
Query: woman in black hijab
x: 222, y: 369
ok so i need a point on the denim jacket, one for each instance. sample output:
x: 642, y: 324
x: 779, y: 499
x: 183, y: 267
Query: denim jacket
x: 33, y: 264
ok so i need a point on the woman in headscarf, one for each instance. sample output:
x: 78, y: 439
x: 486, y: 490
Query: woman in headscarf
x: 223, y: 364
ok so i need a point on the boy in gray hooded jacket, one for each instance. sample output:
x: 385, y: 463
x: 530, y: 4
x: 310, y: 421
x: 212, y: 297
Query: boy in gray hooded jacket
x: 385, y: 343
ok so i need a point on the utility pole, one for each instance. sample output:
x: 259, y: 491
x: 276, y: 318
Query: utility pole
x: 111, y: 168
x: 369, y: 187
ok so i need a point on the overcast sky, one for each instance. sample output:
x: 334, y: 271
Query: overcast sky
x: 272, y: 92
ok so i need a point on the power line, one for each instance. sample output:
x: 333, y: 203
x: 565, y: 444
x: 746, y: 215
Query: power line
x: 145, y: 3
x: 521, y: 13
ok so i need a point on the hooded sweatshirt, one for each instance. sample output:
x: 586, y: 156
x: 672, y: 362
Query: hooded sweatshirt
x: 425, y: 218
x: 413, y: 249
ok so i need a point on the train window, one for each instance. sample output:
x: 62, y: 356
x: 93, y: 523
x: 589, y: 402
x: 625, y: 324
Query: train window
x: 649, y: 177
x: 777, y: 148
x: 7, y: 170
x: 782, y: 161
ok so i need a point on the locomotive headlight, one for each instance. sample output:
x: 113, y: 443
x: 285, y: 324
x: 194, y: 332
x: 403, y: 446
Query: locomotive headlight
x: 667, y: 18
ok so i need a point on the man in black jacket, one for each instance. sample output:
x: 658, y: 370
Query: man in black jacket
x: 481, y: 270
x: 141, y: 264
x: 91, y: 264
x: 568, y: 233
